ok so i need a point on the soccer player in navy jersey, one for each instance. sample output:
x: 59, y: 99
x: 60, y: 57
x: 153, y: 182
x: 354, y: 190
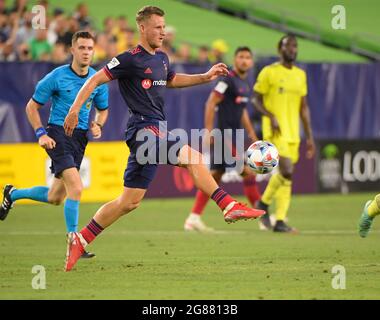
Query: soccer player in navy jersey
x: 228, y: 100
x: 61, y: 86
x: 143, y: 74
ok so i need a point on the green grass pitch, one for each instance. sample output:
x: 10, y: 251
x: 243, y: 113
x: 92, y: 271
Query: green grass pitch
x: 147, y: 255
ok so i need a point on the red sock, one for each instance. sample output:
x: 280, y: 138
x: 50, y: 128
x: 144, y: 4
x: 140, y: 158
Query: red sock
x: 222, y: 198
x: 91, y: 231
x: 251, y: 190
x: 201, y: 200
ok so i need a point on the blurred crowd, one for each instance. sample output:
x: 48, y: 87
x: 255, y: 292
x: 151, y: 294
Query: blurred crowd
x: 20, y: 41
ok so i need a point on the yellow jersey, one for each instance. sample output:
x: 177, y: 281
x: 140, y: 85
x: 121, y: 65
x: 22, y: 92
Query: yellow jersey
x: 282, y: 90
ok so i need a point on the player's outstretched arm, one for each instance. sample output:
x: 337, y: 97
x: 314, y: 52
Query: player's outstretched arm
x: 181, y: 80
x: 305, y: 117
x: 246, y: 122
x: 71, y: 120
x: 33, y: 114
x: 213, y: 100
x: 258, y: 102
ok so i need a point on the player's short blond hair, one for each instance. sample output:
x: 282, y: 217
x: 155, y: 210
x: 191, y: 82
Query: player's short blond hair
x: 145, y: 12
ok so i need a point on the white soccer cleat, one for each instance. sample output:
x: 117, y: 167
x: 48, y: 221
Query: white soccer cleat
x: 194, y: 223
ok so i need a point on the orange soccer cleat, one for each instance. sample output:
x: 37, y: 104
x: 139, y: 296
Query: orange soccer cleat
x: 75, y: 249
x: 237, y: 211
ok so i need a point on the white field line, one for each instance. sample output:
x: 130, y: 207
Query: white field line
x: 179, y: 232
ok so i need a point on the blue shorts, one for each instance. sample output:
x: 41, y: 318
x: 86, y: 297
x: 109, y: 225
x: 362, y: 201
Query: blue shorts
x: 68, y: 151
x: 150, y: 144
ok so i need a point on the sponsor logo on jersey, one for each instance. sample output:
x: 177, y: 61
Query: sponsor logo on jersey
x: 113, y: 63
x: 89, y: 103
x: 240, y: 99
x: 146, y: 83
x: 148, y: 70
x: 159, y: 83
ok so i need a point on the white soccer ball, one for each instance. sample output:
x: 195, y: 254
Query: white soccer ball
x: 262, y: 157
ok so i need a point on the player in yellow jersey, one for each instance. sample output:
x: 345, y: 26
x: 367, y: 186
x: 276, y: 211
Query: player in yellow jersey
x: 280, y: 96
x: 370, y: 211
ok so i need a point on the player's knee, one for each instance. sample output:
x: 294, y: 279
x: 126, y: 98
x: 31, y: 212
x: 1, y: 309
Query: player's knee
x: 128, y: 207
x: 189, y: 156
x: 287, y: 174
x: 248, y: 174
x: 76, y: 191
x: 56, y: 199
x: 217, y: 175
x: 286, y: 170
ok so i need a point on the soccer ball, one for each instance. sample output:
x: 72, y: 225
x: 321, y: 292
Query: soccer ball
x: 262, y: 157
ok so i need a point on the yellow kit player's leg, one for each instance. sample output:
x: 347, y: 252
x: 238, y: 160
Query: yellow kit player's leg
x: 284, y: 193
x: 283, y: 197
x: 370, y: 211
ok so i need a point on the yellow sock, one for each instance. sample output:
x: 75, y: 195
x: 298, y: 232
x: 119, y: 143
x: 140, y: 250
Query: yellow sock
x: 274, y: 183
x: 374, y: 207
x: 283, y: 197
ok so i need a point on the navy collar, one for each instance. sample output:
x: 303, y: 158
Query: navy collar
x: 78, y: 75
x: 142, y: 48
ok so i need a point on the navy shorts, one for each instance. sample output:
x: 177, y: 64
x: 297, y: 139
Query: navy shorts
x: 69, y: 151
x: 224, y: 155
x: 150, y: 144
